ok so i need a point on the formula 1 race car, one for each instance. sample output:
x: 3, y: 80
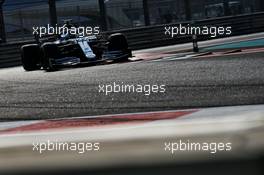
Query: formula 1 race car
x: 73, y: 50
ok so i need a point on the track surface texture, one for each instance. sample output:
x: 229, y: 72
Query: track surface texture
x: 191, y: 83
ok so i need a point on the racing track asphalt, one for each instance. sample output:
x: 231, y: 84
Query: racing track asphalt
x: 192, y: 83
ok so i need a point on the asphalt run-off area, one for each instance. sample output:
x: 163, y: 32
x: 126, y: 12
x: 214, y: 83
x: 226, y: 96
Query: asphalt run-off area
x: 215, y: 97
x: 222, y: 77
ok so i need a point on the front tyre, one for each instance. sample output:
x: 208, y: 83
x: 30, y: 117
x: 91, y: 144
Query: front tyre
x: 30, y: 57
x: 118, y: 42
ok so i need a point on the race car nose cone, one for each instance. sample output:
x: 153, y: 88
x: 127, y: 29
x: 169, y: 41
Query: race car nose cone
x: 90, y: 55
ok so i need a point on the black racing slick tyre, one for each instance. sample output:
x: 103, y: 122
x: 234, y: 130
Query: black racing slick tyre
x: 117, y: 41
x: 30, y: 57
x: 49, y: 53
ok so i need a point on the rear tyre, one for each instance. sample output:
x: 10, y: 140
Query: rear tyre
x: 49, y: 53
x: 30, y: 57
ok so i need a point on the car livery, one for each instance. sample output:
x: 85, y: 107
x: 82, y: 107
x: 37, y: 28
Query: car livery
x: 73, y: 50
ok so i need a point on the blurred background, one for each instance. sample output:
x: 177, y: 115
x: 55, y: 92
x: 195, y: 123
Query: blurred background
x: 20, y: 16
